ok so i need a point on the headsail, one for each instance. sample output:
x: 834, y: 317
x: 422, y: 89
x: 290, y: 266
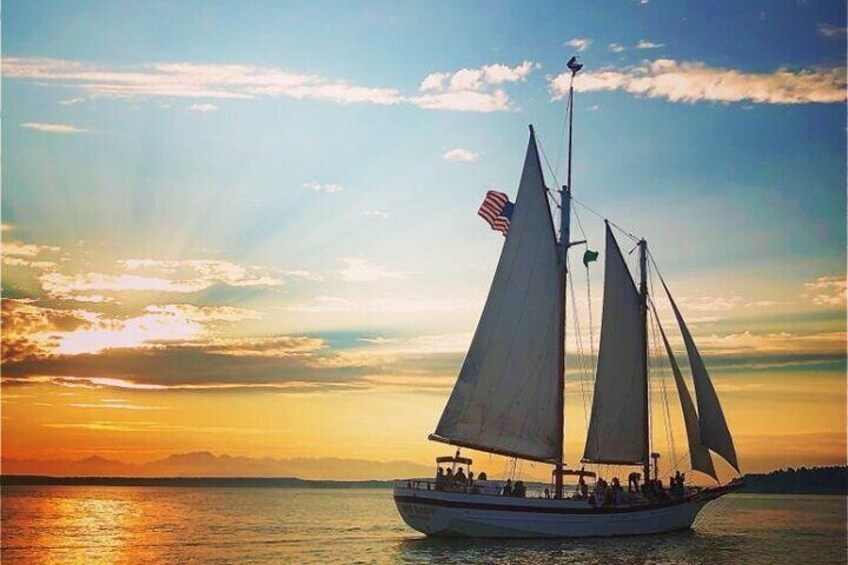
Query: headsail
x: 505, y: 399
x: 616, y: 430
x: 699, y: 455
x: 714, y: 431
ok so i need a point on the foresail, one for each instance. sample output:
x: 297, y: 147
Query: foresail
x: 616, y: 428
x: 699, y: 455
x: 505, y: 399
x: 713, y: 426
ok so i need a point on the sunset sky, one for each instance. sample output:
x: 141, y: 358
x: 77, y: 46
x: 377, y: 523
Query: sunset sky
x: 250, y: 227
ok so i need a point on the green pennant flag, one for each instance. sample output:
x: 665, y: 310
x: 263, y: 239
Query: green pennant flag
x: 589, y: 256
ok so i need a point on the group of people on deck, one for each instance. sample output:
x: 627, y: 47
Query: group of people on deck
x: 448, y: 480
x: 613, y: 494
x: 518, y: 490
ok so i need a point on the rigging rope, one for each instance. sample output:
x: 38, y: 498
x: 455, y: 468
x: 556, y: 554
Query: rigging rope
x: 592, y: 358
x: 562, y: 133
x: 581, y: 362
x: 662, y: 369
x: 676, y: 460
x: 666, y: 366
x: 601, y: 216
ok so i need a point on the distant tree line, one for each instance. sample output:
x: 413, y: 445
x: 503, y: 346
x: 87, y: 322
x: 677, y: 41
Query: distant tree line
x: 803, y: 480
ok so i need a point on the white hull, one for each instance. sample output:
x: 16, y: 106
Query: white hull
x: 456, y: 514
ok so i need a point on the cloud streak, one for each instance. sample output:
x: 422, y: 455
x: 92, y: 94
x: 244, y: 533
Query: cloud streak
x: 327, y: 187
x: 362, y: 270
x: 464, y: 90
x: 460, y: 154
x: 692, y: 81
x: 579, y: 43
x: 53, y: 128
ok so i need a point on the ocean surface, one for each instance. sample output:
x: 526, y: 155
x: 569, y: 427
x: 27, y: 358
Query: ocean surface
x: 171, y: 525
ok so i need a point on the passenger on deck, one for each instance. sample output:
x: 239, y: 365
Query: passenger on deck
x: 483, y: 476
x: 618, y: 497
x: 679, y: 489
x: 470, y: 478
x: 507, y: 489
x: 519, y: 491
x: 440, y: 479
x: 600, y: 494
x: 460, y: 478
x: 582, y: 488
x: 633, y: 482
x: 449, y: 480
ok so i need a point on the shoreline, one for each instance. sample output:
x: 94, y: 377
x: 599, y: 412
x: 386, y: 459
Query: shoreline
x: 288, y: 482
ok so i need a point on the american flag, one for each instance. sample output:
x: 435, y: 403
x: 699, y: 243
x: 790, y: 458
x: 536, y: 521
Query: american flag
x: 497, y: 210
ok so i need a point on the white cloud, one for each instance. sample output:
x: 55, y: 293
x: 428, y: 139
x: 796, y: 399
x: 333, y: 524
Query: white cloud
x: 710, y: 303
x: 641, y: 44
x: 477, y: 79
x: 579, y: 43
x: 826, y: 291
x: 439, y: 343
x: 59, y: 284
x: 205, y: 314
x: 191, y: 80
x: 645, y: 44
x: 463, y: 90
x: 470, y: 89
x: 362, y: 270
x: 30, y: 255
x: 203, y: 107
x: 374, y: 214
x: 831, y: 31
x: 19, y: 249
x: 695, y: 82
x: 323, y: 187
x: 464, y: 101
x: 53, y: 128
x: 460, y: 154
x: 164, y: 276
x: 71, y: 101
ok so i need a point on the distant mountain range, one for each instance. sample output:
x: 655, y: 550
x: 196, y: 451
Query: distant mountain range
x: 203, y: 468
x: 206, y: 464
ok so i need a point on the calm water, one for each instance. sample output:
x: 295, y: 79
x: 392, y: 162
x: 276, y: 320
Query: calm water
x: 111, y: 525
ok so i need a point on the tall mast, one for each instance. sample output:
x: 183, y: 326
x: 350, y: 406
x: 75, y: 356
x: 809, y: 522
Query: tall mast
x: 564, y: 244
x: 643, y: 304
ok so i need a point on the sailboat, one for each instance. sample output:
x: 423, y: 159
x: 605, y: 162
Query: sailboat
x: 509, y: 397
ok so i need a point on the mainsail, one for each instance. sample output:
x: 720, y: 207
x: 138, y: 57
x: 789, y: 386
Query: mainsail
x: 713, y: 426
x: 616, y: 428
x: 506, y: 398
x: 699, y: 455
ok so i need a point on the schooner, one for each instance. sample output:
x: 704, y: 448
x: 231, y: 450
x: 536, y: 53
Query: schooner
x: 509, y: 396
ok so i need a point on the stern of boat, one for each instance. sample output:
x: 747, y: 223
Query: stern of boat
x: 424, y: 518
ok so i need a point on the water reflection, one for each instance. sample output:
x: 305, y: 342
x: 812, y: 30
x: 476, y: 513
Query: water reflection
x: 676, y: 548
x: 115, y: 525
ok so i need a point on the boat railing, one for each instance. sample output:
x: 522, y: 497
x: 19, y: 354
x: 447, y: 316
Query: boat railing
x: 476, y: 487
x: 485, y: 487
x: 495, y: 488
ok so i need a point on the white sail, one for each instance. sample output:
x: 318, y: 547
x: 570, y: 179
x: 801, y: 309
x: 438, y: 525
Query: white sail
x: 506, y: 397
x: 616, y: 428
x: 699, y: 455
x: 714, y: 431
